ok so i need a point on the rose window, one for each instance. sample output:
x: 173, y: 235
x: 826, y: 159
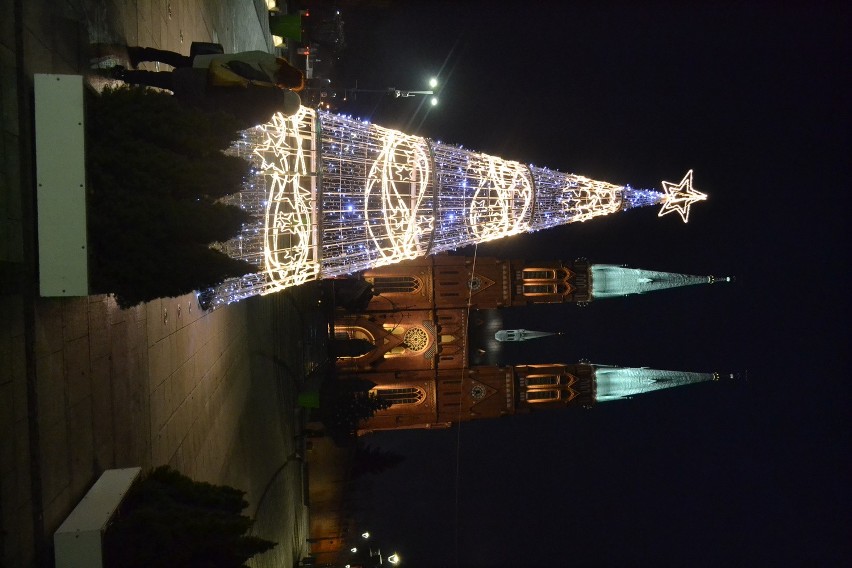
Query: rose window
x: 416, y: 339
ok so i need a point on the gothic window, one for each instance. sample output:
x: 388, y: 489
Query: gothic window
x: 535, y: 289
x: 542, y: 380
x: 416, y: 339
x: 406, y: 395
x: 538, y: 274
x: 345, y: 332
x: 542, y: 395
x: 394, y: 284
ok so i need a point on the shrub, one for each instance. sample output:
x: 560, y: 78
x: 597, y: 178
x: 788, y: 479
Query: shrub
x: 155, y: 172
x: 170, y: 520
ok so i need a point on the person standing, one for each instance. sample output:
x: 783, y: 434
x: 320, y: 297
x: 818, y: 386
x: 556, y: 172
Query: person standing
x: 276, y: 69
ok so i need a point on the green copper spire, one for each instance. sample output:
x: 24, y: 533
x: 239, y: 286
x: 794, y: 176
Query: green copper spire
x: 610, y: 281
x: 614, y: 383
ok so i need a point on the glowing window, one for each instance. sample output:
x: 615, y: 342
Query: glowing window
x: 406, y: 395
x: 394, y: 284
x: 542, y: 380
x: 538, y: 274
x: 533, y: 289
x: 542, y: 395
x: 416, y: 339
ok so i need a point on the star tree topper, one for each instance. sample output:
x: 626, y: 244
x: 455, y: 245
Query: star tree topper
x: 679, y: 197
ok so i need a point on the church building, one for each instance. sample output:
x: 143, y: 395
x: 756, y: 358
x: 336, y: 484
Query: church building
x: 421, y: 359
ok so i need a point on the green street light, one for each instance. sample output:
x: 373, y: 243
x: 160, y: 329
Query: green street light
x: 433, y: 82
x: 434, y: 101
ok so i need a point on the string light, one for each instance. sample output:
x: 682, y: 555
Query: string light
x: 331, y: 195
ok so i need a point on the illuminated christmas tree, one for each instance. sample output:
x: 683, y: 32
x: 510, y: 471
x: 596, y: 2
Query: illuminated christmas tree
x: 333, y: 196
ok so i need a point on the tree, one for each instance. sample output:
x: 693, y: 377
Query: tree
x: 170, y: 520
x: 372, y: 460
x: 155, y: 172
x: 343, y: 409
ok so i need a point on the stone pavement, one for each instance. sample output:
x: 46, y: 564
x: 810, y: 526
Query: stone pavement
x: 85, y: 386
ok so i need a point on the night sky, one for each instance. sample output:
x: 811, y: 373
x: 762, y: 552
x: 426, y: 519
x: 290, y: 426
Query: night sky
x: 754, y: 98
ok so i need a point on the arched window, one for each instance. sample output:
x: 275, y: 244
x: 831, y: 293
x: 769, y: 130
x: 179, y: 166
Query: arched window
x: 538, y: 274
x: 542, y: 395
x: 351, y: 332
x: 541, y: 380
x: 405, y: 395
x: 394, y: 284
x: 539, y: 289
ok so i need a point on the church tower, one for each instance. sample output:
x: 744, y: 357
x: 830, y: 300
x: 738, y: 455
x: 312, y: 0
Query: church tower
x: 422, y: 358
x: 421, y: 401
x: 418, y: 318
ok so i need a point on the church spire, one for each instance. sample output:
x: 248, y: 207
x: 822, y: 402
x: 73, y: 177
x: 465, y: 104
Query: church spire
x: 521, y: 334
x: 610, y: 281
x: 616, y: 383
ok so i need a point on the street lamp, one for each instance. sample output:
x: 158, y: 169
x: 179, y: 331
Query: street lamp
x: 399, y: 93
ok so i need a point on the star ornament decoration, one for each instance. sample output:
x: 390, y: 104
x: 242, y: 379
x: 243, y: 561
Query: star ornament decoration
x: 679, y: 197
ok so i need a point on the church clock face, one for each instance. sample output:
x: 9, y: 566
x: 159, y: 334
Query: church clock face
x: 475, y: 283
x: 477, y: 392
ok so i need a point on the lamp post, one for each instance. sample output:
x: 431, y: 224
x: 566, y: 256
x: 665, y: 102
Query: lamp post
x: 399, y: 93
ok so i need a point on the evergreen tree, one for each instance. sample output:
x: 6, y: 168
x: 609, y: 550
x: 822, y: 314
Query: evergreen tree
x: 372, y: 460
x: 155, y: 171
x: 169, y: 520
